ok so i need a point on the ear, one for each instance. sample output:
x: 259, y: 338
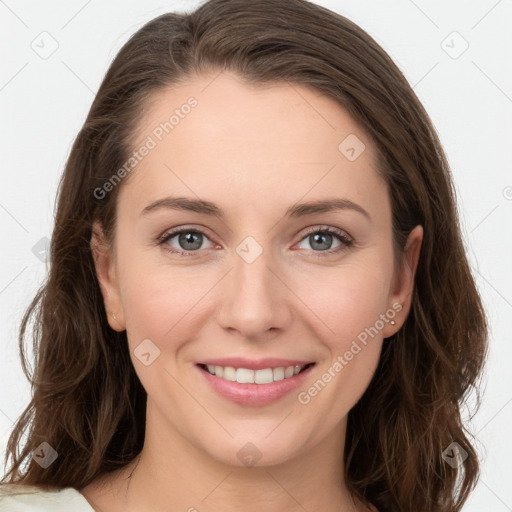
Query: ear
x: 403, y: 283
x: 104, y: 263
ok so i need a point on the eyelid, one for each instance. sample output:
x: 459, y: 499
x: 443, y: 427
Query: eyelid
x: 327, y: 229
x: 345, y: 239
x: 171, y: 233
x: 202, y: 230
x: 185, y: 227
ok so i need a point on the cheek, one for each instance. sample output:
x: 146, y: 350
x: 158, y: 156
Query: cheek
x: 158, y: 299
x: 160, y: 308
x: 351, y: 306
x: 347, y: 299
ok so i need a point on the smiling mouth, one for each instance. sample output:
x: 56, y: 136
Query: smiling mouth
x: 248, y: 376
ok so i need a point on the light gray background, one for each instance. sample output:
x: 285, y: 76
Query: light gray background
x: 44, y: 102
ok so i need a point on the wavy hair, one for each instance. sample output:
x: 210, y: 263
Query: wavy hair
x: 87, y: 401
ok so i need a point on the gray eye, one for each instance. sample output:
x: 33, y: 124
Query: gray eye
x: 190, y: 240
x: 320, y: 241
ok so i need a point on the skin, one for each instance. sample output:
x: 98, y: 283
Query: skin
x: 254, y: 152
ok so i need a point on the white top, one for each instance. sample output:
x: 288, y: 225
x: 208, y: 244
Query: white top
x: 25, y: 498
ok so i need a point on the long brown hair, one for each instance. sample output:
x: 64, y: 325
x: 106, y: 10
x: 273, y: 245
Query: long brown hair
x: 89, y: 405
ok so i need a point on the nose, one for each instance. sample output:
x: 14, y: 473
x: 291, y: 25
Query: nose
x: 256, y: 302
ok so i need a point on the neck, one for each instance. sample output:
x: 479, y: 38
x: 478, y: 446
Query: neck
x: 182, y: 476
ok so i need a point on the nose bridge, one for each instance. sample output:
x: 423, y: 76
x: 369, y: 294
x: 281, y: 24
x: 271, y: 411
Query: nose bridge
x: 254, y: 302
x: 252, y: 275
x: 251, y: 270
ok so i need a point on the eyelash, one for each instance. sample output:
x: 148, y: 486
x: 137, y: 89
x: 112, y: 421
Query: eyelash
x: 340, y: 235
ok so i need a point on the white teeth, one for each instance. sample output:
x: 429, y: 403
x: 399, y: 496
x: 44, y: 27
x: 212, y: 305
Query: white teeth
x: 229, y: 373
x: 247, y: 376
x: 265, y: 376
x: 278, y: 374
x: 244, y: 376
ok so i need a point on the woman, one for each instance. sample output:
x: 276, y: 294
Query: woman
x: 258, y: 296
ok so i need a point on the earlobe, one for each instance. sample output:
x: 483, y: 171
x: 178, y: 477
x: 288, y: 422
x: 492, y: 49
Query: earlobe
x: 105, y: 272
x: 404, y: 280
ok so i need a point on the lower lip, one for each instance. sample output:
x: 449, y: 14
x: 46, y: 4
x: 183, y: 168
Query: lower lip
x: 254, y: 394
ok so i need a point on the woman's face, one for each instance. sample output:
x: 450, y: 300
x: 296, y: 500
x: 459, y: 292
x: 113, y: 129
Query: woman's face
x: 285, y: 258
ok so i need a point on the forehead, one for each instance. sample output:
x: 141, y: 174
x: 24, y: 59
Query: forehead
x: 220, y: 138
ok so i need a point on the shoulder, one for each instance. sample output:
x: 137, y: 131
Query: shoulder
x: 25, y: 498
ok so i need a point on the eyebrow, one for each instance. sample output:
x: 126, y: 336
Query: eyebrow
x: 297, y: 210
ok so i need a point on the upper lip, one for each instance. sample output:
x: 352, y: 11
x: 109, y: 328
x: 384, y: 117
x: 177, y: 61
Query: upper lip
x: 254, y: 364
